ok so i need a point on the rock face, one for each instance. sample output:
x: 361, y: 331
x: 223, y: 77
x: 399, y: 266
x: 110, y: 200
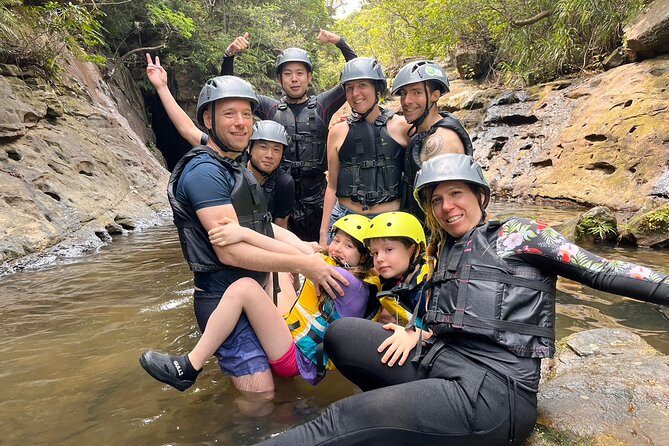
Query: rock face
x: 72, y: 168
x: 648, y: 36
x: 604, y: 387
x: 598, y: 141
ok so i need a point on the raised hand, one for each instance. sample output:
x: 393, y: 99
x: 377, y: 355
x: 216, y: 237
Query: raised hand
x: 240, y: 44
x: 325, y: 36
x: 156, y: 73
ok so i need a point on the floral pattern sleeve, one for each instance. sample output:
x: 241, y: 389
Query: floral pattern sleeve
x: 544, y: 247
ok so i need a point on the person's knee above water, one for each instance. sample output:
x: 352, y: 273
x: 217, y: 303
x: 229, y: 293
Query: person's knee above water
x: 492, y: 313
x: 306, y: 118
x: 365, y: 154
x: 397, y: 243
x: 292, y: 342
x: 419, y: 85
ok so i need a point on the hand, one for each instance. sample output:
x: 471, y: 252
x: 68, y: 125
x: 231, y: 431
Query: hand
x: 315, y: 247
x: 324, y: 277
x: 328, y: 37
x: 156, y: 74
x: 228, y: 233
x: 398, y: 345
x: 240, y: 44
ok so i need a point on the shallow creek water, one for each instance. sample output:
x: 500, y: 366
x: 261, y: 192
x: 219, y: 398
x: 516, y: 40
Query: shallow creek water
x: 72, y: 333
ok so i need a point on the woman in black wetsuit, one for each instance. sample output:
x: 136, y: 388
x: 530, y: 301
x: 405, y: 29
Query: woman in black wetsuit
x: 491, y: 311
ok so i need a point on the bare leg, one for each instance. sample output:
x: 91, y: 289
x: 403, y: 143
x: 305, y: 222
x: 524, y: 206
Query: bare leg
x: 288, y: 295
x: 245, y: 295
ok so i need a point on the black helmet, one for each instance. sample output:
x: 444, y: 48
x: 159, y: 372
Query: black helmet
x: 421, y: 71
x: 293, y: 55
x: 363, y: 68
x: 224, y: 87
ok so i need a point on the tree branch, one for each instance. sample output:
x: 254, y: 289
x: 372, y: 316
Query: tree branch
x: 130, y: 53
x: 532, y: 20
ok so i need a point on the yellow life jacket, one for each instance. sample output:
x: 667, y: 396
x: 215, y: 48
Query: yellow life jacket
x: 307, y: 323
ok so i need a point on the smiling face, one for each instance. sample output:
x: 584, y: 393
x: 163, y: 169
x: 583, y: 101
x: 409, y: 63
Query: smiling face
x: 360, y: 95
x: 343, y: 248
x: 266, y: 155
x: 294, y: 78
x: 391, y: 257
x: 234, y: 122
x: 413, y: 100
x: 456, y: 207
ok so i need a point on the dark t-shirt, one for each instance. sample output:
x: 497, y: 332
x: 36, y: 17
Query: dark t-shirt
x: 283, y: 197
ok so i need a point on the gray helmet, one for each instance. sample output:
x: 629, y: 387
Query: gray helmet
x: 270, y: 131
x: 363, y: 68
x: 224, y: 87
x: 421, y: 71
x: 450, y: 167
x: 293, y: 55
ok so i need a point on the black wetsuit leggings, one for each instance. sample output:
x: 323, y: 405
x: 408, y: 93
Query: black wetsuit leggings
x: 458, y: 403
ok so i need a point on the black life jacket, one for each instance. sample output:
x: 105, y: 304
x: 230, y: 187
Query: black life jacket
x: 370, y: 163
x: 506, y: 301
x: 247, y: 199
x: 305, y: 158
x: 412, y: 161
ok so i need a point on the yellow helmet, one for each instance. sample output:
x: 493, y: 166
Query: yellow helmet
x: 354, y: 225
x: 396, y: 224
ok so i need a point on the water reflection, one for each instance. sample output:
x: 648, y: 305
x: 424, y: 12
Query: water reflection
x: 72, y: 334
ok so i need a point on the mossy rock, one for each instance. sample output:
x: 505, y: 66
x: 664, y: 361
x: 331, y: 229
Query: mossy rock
x: 649, y: 229
x: 597, y: 225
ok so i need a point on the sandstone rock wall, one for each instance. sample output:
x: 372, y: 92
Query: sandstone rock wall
x: 72, y: 169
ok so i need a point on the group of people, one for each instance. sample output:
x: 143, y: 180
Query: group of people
x: 444, y: 336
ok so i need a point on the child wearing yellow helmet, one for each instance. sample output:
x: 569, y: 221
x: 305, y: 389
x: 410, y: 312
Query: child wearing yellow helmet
x: 396, y: 241
x: 292, y: 339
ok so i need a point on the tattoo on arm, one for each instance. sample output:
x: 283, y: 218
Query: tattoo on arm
x: 432, y: 146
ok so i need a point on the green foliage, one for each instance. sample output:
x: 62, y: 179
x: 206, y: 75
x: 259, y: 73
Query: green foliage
x: 574, y: 35
x: 600, y: 229
x: 655, y: 220
x: 174, y: 21
x: 39, y: 35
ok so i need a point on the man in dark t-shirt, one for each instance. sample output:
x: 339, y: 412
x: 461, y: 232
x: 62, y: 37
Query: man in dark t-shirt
x: 306, y: 119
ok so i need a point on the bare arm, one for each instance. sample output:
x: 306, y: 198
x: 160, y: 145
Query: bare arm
x: 247, y: 256
x: 335, y: 137
x: 158, y: 78
x: 440, y: 142
x: 230, y: 232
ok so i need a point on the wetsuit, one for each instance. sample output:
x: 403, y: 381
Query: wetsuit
x: 467, y: 388
x: 306, y: 157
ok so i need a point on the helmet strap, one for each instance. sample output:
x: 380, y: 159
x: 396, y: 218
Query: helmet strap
x: 418, y: 122
x: 214, y: 136
x: 257, y: 169
x: 356, y: 117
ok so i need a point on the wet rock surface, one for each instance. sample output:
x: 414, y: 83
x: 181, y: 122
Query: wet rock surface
x: 71, y: 167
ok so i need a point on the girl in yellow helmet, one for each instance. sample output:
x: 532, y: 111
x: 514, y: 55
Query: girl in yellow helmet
x: 292, y: 341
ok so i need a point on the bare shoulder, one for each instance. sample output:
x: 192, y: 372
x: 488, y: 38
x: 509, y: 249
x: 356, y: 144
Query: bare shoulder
x: 398, y: 127
x: 442, y: 141
x: 337, y: 134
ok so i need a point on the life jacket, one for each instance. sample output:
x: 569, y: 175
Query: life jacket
x: 412, y: 161
x: 307, y: 323
x: 370, y: 163
x: 306, y: 156
x: 506, y: 301
x: 269, y: 184
x: 247, y: 199
x: 399, y: 300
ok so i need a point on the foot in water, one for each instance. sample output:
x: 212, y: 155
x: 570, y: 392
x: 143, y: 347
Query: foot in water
x: 177, y: 371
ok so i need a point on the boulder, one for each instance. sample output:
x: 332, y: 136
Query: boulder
x: 648, y: 35
x: 604, y: 387
x: 597, y: 225
x: 648, y: 228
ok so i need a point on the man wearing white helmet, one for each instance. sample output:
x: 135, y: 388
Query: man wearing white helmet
x: 419, y: 85
x: 208, y: 186
x: 306, y: 119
